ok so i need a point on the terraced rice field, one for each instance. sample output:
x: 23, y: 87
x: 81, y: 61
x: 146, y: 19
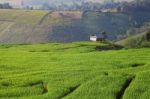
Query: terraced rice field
x: 80, y: 70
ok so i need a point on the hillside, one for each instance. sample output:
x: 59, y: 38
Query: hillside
x: 73, y: 71
x: 35, y: 26
x: 136, y: 41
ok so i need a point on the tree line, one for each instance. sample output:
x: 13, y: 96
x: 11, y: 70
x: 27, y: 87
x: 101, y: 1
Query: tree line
x: 5, y: 6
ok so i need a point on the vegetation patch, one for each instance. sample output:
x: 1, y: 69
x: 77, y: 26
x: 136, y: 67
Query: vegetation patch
x: 108, y: 46
x: 44, y: 50
x: 137, y: 65
x: 36, y: 83
x: 6, y: 84
x: 105, y: 73
x: 32, y: 51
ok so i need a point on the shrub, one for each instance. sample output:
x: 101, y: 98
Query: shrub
x: 145, y: 44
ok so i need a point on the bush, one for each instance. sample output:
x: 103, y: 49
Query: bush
x: 145, y: 44
x: 134, y: 42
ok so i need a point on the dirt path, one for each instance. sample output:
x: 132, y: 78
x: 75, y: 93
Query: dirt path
x: 8, y: 27
x: 42, y: 20
x: 44, y: 17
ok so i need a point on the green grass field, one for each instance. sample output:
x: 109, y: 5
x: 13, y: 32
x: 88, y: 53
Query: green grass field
x: 81, y: 70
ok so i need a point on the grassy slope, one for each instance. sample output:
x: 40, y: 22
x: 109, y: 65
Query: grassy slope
x: 133, y: 41
x: 23, y: 26
x: 22, y: 23
x: 73, y: 71
x: 136, y: 41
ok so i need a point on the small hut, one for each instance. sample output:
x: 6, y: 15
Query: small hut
x: 98, y: 37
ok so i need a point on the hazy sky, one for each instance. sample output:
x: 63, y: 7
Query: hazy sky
x: 17, y: 1
x: 38, y: 2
